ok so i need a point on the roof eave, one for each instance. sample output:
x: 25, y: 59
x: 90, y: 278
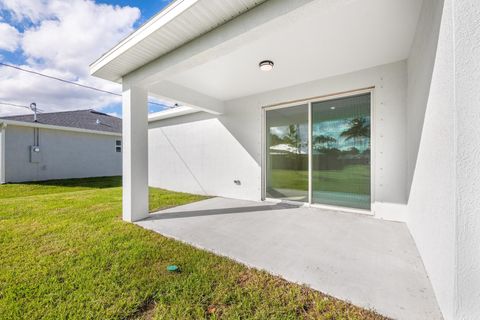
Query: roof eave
x: 161, y: 19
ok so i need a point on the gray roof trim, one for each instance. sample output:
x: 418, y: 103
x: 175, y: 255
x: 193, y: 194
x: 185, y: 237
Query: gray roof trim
x: 5, y: 123
x: 90, y: 120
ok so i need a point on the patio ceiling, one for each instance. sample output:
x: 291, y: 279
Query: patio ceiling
x: 319, y: 40
x: 202, y: 53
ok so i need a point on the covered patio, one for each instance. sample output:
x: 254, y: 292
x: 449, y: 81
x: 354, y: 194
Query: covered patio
x: 369, y: 262
x: 216, y: 144
x: 206, y: 57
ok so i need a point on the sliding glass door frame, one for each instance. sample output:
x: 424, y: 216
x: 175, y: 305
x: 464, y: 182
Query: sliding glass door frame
x: 309, y: 102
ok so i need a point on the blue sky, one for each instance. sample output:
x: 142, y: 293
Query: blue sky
x: 147, y: 8
x: 61, y: 38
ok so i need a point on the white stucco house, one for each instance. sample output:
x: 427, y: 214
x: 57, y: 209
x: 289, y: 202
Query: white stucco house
x: 60, y: 145
x: 369, y: 106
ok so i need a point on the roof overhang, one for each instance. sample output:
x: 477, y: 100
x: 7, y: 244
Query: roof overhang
x: 206, y: 54
x: 177, y: 24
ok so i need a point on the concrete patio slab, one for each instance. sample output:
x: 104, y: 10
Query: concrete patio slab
x: 369, y: 262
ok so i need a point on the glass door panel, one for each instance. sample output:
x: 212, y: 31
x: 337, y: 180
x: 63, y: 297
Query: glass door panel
x: 341, y: 152
x: 287, y: 153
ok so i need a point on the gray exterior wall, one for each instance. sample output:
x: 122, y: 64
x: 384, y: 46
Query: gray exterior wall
x: 64, y: 154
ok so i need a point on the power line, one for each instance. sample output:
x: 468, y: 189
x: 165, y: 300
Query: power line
x: 17, y: 105
x: 13, y: 105
x: 68, y: 81
x: 59, y: 79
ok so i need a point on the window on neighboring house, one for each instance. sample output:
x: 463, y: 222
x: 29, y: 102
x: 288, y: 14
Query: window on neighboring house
x: 118, y: 145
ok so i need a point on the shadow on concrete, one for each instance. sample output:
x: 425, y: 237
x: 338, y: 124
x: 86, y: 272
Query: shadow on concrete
x: 212, y: 212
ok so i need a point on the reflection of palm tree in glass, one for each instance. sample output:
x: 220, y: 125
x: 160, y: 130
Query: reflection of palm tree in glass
x: 321, y: 141
x: 359, y: 130
x: 275, y: 139
x: 292, y: 138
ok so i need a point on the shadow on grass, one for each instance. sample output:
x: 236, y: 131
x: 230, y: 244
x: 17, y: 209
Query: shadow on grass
x: 94, y: 183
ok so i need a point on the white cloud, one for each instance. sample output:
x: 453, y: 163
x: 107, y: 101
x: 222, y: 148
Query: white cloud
x: 23, y: 88
x: 62, y: 40
x: 80, y: 32
x: 9, y: 37
x: 26, y: 9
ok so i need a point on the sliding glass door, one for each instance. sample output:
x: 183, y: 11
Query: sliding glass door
x: 319, y: 152
x: 287, y: 153
x: 341, y: 152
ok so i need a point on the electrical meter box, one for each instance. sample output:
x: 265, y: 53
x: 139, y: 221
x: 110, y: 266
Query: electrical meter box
x: 35, y: 154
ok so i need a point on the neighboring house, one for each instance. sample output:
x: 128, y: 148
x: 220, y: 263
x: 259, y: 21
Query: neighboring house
x: 388, y: 91
x: 60, y: 145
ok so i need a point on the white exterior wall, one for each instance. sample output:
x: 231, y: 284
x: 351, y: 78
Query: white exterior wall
x: 205, y: 153
x: 466, y: 15
x: 420, y: 67
x: 198, y: 153
x: 65, y: 154
x: 431, y: 205
x: 444, y: 202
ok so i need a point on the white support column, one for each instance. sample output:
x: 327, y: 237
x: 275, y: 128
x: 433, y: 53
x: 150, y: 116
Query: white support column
x: 2, y: 152
x: 135, y: 153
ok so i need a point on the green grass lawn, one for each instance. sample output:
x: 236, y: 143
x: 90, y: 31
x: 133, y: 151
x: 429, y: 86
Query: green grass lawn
x: 352, y: 179
x: 66, y: 253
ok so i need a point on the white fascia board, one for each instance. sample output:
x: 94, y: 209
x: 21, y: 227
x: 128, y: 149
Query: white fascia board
x: 48, y: 126
x: 171, y: 113
x: 156, y: 22
x: 173, y: 92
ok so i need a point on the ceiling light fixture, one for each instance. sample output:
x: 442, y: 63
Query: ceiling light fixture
x: 266, y: 65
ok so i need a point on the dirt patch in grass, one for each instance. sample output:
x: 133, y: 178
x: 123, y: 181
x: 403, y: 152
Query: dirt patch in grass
x: 146, y: 311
